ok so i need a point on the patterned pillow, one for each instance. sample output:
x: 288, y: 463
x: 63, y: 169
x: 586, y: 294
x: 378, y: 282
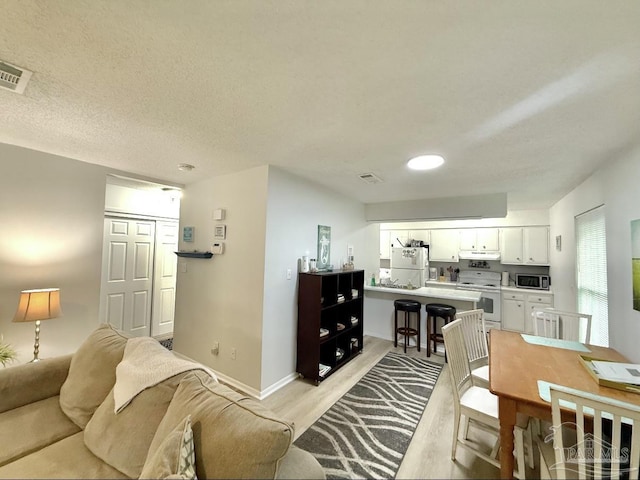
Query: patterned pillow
x: 175, y: 458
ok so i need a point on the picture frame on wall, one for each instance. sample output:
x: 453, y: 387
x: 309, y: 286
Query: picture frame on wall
x: 324, y: 248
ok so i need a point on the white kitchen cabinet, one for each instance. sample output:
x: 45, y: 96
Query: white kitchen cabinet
x: 420, y: 235
x: 513, y: 312
x: 480, y: 239
x: 385, y: 245
x: 525, y: 246
x: 517, y: 308
x: 389, y: 238
x: 444, y: 245
x: 536, y: 245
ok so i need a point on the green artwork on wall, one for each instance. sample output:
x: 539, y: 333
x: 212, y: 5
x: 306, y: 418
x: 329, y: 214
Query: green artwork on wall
x: 324, y: 247
x: 635, y: 262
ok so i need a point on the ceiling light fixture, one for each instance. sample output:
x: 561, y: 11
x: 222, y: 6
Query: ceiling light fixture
x: 185, y: 167
x: 425, y: 162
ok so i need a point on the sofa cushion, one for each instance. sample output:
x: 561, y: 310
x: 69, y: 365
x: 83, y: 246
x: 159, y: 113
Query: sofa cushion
x: 175, y: 457
x: 67, y: 458
x: 123, y: 439
x: 92, y: 374
x: 33, y: 427
x: 235, y: 437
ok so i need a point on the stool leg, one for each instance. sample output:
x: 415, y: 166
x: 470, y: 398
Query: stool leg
x: 406, y: 330
x: 395, y: 328
x: 418, y: 329
x: 428, y: 337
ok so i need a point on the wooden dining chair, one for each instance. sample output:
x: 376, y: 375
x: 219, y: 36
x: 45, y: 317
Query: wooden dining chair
x: 475, y: 339
x: 552, y: 323
x: 478, y: 405
x: 603, y: 442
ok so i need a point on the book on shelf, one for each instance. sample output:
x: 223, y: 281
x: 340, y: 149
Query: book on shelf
x: 324, y: 369
x: 324, y: 332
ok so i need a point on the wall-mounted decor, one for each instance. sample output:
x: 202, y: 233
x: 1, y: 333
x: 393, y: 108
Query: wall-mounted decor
x: 187, y: 234
x: 559, y: 243
x: 324, y: 247
x: 220, y: 232
x: 635, y: 262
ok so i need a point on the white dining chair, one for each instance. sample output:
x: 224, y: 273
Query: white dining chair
x: 475, y: 339
x: 478, y: 405
x: 596, y: 441
x: 552, y: 323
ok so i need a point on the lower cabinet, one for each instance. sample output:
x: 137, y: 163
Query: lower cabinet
x: 517, y: 308
x: 330, y: 321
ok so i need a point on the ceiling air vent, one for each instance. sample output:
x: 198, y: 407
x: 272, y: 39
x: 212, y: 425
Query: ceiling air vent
x: 370, y: 178
x: 13, y: 78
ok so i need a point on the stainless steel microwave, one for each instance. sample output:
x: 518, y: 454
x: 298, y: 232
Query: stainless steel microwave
x: 536, y: 282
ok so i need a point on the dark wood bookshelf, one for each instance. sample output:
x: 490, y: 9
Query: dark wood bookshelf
x: 328, y: 300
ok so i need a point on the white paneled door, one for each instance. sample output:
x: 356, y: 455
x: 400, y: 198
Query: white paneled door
x: 164, y: 291
x: 138, y: 275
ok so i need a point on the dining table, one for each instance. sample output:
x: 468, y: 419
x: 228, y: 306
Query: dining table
x: 517, y: 362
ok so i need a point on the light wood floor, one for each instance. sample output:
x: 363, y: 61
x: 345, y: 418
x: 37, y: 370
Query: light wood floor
x: 429, y: 454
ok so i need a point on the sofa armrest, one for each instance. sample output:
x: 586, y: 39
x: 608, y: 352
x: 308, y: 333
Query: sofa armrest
x: 32, y: 382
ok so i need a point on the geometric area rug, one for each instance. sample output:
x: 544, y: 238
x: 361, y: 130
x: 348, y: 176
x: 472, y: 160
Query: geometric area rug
x: 366, y: 433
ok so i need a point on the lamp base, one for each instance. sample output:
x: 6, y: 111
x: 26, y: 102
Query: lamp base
x: 36, y: 345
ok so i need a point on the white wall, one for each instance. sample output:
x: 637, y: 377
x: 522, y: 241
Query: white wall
x: 52, y: 223
x: 295, y: 209
x: 615, y: 186
x: 220, y: 299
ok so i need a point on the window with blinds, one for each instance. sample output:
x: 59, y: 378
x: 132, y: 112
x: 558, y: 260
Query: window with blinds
x: 591, y: 263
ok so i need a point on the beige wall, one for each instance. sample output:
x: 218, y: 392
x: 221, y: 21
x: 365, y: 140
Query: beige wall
x: 220, y: 299
x: 52, y: 221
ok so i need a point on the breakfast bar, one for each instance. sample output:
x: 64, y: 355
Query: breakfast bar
x: 379, y: 310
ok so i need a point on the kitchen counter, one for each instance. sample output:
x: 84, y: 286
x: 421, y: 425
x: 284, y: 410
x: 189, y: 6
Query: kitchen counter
x: 528, y: 291
x: 379, y: 310
x: 431, y: 292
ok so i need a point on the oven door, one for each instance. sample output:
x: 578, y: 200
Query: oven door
x: 490, y: 303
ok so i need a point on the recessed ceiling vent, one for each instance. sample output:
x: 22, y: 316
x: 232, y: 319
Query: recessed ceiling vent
x: 13, y: 78
x: 370, y: 178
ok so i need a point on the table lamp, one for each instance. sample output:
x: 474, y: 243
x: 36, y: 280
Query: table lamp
x: 37, y: 305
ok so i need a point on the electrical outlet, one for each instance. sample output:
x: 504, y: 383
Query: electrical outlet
x: 233, y: 354
x: 183, y: 267
x: 288, y: 274
x: 216, y: 348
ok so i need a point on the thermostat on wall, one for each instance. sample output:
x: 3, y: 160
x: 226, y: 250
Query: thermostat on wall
x: 218, y: 214
x: 220, y: 231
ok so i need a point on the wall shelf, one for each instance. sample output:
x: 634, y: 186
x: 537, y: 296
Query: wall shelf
x: 195, y: 254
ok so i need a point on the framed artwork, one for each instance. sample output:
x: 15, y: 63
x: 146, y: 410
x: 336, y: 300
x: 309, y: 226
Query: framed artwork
x: 324, y: 247
x: 187, y: 234
x: 635, y: 262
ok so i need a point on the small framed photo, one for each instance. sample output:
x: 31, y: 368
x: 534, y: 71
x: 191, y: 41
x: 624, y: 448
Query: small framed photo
x: 220, y: 232
x: 187, y: 234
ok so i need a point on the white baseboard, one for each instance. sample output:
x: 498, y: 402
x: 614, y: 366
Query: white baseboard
x: 260, y: 395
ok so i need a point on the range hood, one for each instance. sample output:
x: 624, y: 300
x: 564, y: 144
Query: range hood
x: 473, y: 255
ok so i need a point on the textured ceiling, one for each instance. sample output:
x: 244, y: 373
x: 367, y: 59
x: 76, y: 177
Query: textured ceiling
x: 524, y: 97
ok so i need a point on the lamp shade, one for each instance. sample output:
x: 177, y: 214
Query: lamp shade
x: 41, y: 304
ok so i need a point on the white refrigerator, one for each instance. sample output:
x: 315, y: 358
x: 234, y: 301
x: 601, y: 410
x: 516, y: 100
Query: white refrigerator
x: 409, y: 264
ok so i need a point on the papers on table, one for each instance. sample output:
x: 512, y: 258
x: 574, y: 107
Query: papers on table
x: 618, y: 372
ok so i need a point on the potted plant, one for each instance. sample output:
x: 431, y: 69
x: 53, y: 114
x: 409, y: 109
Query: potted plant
x: 7, y: 353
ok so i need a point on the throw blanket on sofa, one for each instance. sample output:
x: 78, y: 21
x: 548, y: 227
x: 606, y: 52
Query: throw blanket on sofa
x: 146, y: 363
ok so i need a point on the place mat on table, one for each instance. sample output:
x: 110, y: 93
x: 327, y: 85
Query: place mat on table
x: 555, y: 342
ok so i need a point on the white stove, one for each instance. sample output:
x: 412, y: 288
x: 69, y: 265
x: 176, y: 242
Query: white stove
x: 488, y: 284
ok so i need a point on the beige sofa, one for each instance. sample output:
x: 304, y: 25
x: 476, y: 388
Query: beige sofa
x: 57, y: 421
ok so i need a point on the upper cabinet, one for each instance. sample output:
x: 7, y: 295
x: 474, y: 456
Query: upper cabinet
x: 525, y: 246
x: 480, y: 239
x: 444, y: 245
x: 392, y: 238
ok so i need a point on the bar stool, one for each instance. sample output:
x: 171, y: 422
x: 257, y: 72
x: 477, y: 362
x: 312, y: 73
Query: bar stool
x: 435, y: 310
x: 407, y: 307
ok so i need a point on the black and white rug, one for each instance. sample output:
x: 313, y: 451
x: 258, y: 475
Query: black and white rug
x: 366, y: 433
